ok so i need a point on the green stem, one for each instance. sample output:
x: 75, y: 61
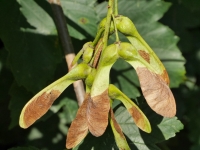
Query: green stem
x: 116, y: 8
x: 97, y: 51
x: 116, y: 32
x: 98, y: 36
x: 108, y: 21
x: 106, y: 31
x: 76, y: 58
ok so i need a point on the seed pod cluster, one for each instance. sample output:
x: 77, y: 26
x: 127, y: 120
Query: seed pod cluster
x: 94, y: 69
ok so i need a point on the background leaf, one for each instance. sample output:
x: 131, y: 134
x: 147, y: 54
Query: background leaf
x: 26, y: 55
x: 186, y: 25
x: 81, y: 14
x: 37, y: 17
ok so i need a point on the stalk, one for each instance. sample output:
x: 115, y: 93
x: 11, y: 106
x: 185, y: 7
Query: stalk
x: 108, y: 22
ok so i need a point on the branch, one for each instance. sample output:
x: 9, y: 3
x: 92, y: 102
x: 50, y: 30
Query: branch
x: 61, y: 25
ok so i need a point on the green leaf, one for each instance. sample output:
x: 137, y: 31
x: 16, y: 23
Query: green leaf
x: 33, y: 57
x: 82, y: 15
x: 87, y: 2
x: 37, y: 17
x: 70, y: 108
x: 75, y: 33
x: 176, y: 70
x: 162, y: 129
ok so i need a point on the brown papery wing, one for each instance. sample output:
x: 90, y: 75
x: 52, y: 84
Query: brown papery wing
x: 117, y: 126
x: 79, y: 128
x: 156, y: 92
x: 39, y: 106
x: 97, y: 113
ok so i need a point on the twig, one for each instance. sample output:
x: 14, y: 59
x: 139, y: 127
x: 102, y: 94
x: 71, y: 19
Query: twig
x: 67, y: 46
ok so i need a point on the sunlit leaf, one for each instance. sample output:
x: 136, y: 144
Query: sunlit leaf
x: 42, y: 21
x: 37, y: 17
x: 82, y: 19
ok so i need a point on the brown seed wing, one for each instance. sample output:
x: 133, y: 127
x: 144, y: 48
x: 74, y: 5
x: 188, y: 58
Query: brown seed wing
x: 39, y: 106
x: 116, y: 125
x: 144, y: 55
x: 156, y: 92
x: 139, y: 118
x: 97, y: 113
x: 117, y: 131
x: 165, y: 77
x: 79, y: 128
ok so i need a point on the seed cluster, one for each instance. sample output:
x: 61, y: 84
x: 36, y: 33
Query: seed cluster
x: 96, y: 62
